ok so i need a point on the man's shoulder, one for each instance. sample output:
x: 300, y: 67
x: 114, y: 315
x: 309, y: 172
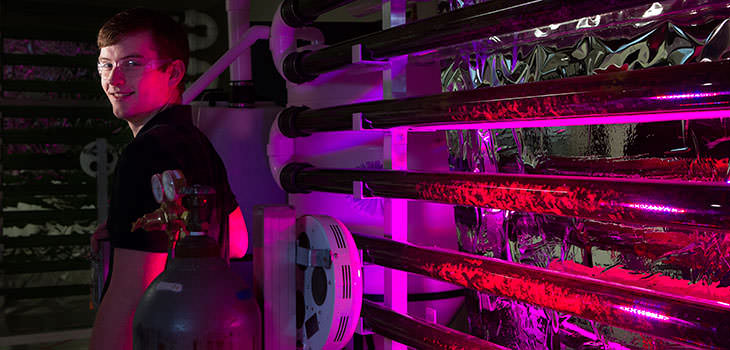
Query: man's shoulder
x: 163, y: 130
x: 165, y: 140
x: 170, y: 122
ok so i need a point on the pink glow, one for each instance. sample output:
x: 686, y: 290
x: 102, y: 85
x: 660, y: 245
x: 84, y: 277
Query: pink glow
x: 689, y: 95
x: 238, y: 234
x: 644, y: 313
x: 655, y: 207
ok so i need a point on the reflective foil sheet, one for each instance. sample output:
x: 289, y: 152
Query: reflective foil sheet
x: 689, y: 262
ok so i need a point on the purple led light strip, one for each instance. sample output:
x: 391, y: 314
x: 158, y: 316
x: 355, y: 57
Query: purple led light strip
x: 689, y: 95
x: 644, y: 313
x: 658, y: 208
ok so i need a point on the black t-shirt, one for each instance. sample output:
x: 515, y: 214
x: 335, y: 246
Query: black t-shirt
x: 168, y: 141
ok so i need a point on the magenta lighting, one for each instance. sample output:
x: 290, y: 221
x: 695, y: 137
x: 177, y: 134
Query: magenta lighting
x: 417, y: 333
x: 645, y: 95
x: 695, y: 323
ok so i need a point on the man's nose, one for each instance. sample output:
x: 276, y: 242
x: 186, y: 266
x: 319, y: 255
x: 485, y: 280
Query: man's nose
x: 116, y: 76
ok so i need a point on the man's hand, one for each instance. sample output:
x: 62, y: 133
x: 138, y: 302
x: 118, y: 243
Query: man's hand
x: 101, y: 233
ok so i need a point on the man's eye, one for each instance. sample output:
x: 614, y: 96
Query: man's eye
x: 105, y: 66
x: 131, y: 63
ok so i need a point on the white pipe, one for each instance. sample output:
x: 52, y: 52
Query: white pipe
x: 280, y: 150
x: 239, y: 20
x: 247, y: 39
x: 282, y: 41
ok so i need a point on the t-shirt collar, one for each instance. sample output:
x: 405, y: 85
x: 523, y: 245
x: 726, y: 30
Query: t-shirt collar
x: 176, y: 114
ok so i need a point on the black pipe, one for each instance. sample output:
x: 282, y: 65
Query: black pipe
x: 417, y: 333
x: 299, y: 13
x: 704, y: 86
x: 491, y: 18
x: 695, y: 323
x: 702, y: 205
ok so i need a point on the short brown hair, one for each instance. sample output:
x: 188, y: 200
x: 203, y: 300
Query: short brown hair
x: 169, y: 37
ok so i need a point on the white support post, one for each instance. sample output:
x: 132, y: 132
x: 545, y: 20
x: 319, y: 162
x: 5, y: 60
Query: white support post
x: 358, y: 191
x: 239, y: 14
x: 395, y: 157
x: 357, y: 121
x: 274, y: 244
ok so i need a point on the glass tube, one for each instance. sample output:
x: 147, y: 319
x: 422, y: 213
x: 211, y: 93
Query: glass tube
x: 645, y: 95
x: 692, y: 322
x: 633, y: 201
x: 491, y: 18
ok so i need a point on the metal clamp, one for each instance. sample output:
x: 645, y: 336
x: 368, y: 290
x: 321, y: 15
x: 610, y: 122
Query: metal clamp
x: 314, y: 257
x: 357, y: 58
x: 358, y: 191
x: 358, y: 123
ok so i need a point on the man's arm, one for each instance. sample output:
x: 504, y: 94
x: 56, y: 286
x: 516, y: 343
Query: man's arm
x: 238, y: 234
x: 133, y: 272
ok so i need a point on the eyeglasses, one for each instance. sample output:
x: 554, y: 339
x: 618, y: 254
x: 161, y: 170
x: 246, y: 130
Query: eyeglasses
x: 131, y: 67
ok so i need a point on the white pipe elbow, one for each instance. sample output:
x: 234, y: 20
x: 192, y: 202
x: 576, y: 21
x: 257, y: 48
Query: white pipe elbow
x: 284, y: 38
x: 282, y: 41
x: 280, y: 151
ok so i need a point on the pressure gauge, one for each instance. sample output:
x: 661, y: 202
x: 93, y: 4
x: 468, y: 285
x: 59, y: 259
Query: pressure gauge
x: 172, y: 182
x: 157, y: 190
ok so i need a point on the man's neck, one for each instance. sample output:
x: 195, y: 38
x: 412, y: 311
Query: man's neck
x: 136, y: 124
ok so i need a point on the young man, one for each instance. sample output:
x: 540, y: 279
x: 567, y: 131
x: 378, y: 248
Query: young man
x: 142, y: 62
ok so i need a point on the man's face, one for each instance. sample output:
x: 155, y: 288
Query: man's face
x: 135, y: 91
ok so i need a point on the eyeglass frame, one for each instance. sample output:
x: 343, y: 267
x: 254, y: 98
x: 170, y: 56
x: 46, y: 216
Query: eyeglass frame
x: 117, y: 64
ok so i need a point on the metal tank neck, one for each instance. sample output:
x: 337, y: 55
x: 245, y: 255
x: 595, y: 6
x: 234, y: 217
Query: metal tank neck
x: 197, y: 247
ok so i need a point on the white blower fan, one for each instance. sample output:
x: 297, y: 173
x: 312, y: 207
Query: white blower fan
x: 329, y: 283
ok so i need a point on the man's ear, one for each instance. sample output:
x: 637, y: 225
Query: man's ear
x: 177, y: 72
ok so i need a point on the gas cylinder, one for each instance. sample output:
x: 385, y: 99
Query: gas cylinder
x: 197, y: 302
